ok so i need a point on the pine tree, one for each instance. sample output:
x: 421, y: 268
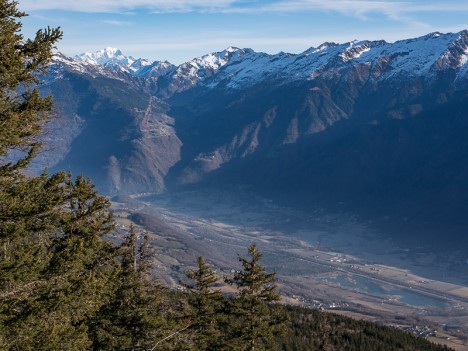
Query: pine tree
x: 25, y: 203
x: 55, y: 268
x: 59, y: 267
x: 131, y: 320
x: 205, y: 308
x: 254, y: 323
x: 22, y: 111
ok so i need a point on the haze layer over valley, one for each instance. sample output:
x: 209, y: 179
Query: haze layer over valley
x: 325, y: 261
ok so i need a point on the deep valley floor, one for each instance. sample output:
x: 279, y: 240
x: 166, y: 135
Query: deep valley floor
x: 328, y: 261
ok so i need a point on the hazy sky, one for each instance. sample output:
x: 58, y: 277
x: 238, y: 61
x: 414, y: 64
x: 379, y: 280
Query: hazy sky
x: 179, y: 30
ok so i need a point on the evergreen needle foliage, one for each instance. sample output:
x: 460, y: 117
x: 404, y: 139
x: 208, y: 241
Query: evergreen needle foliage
x: 131, y: 320
x: 206, y: 304
x: 255, y: 324
x: 55, y: 268
x: 22, y: 111
x: 309, y: 330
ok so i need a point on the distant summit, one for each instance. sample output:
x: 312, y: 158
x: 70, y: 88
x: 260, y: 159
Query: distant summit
x: 114, y: 58
x: 106, y: 57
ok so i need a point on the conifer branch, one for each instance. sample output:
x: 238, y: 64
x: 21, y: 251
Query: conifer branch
x: 171, y: 335
x: 21, y: 289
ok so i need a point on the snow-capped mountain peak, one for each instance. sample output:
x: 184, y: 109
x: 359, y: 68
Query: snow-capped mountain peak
x: 104, y: 57
x: 114, y: 58
x: 214, y: 60
x: 237, y: 68
x: 423, y: 56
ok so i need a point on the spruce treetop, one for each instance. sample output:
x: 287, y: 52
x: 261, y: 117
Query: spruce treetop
x: 23, y: 112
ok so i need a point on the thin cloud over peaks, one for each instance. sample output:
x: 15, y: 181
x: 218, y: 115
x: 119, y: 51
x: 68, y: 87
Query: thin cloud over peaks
x: 362, y: 7
x: 178, y: 30
x: 117, y: 23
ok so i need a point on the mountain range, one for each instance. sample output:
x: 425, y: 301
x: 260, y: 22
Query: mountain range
x: 367, y: 127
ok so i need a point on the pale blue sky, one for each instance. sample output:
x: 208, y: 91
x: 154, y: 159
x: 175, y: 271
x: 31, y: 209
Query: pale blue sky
x: 179, y: 30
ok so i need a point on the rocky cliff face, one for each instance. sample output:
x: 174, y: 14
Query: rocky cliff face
x: 108, y: 127
x: 374, y: 128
